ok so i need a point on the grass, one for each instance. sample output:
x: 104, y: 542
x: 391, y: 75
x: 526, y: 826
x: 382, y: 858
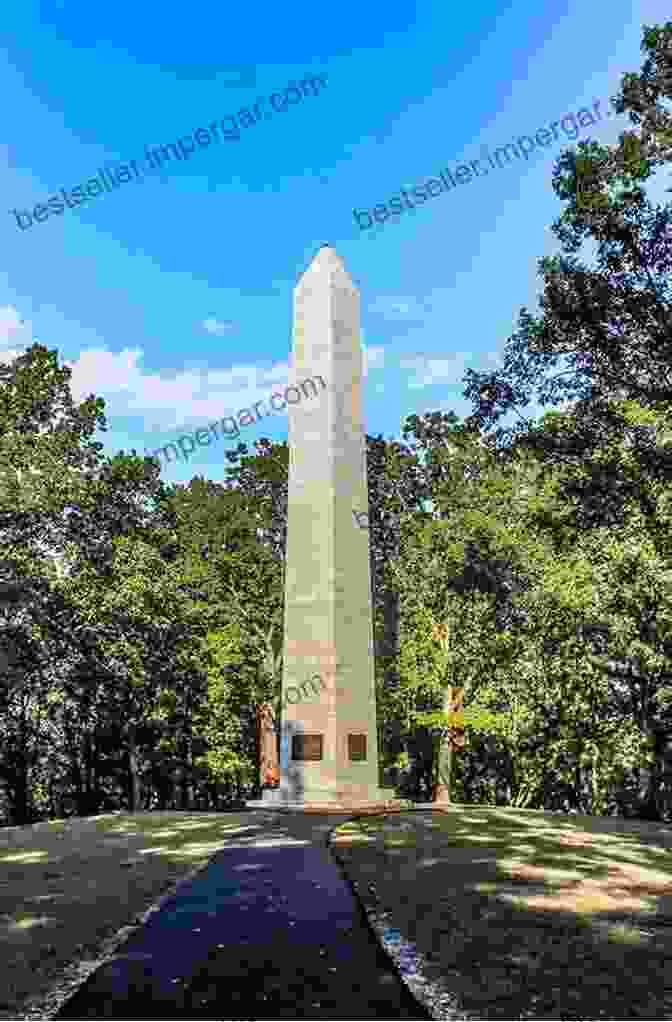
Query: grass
x: 68, y: 887
x: 523, y: 914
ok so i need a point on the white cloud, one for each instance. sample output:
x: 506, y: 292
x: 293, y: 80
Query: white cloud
x: 400, y: 309
x: 15, y: 333
x: 431, y: 370
x: 218, y: 327
x: 179, y: 399
x: 189, y: 397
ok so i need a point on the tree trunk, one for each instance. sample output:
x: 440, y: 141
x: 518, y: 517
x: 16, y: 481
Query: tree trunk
x: 83, y: 773
x: 650, y: 780
x: 52, y: 803
x: 133, y: 779
x: 19, y: 801
x: 93, y: 793
x: 442, y: 787
x: 163, y: 788
x: 442, y: 791
x: 20, y: 773
x: 15, y: 773
x: 76, y: 775
x: 647, y: 805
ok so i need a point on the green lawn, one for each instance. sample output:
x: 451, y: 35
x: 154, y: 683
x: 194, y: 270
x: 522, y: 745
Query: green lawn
x: 524, y: 914
x: 67, y: 887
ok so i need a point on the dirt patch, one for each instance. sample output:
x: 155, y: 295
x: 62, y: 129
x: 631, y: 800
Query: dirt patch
x: 71, y: 891
x: 524, y: 915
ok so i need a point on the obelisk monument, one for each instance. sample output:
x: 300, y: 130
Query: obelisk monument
x: 328, y: 745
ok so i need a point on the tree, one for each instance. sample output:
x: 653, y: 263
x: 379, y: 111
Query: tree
x: 613, y: 324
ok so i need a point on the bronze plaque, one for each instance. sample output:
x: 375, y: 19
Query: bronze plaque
x: 307, y: 747
x: 357, y: 747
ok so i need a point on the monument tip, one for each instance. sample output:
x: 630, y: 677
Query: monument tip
x: 325, y: 261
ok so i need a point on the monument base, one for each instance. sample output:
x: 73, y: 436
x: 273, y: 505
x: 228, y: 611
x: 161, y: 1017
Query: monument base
x: 386, y: 803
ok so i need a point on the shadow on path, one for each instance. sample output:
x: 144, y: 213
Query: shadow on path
x: 269, y: 930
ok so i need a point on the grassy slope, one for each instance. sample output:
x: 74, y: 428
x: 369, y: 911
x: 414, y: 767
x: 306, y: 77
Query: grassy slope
x: 67, y: 887
x: 525, y: 914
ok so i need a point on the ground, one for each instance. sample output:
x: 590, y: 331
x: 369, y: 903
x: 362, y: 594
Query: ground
x: 67, y: 887
x: 520, y: 914
x: 524, y: 914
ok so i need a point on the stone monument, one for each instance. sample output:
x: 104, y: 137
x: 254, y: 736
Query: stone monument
x: 328, y: 743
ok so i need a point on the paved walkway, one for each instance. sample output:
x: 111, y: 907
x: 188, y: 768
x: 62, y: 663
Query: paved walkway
x: 269, y: 930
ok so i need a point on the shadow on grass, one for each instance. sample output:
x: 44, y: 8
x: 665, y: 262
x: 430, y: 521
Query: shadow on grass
x: 525, y: 915
x: 67, y: 885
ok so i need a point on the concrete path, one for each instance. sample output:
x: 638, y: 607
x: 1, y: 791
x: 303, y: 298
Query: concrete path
x: 269, y: 930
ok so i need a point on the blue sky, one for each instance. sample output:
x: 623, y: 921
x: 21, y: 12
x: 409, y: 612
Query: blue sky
x: 171, y: 297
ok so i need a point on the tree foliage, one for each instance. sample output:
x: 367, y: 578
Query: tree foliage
x: 528, y: 566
